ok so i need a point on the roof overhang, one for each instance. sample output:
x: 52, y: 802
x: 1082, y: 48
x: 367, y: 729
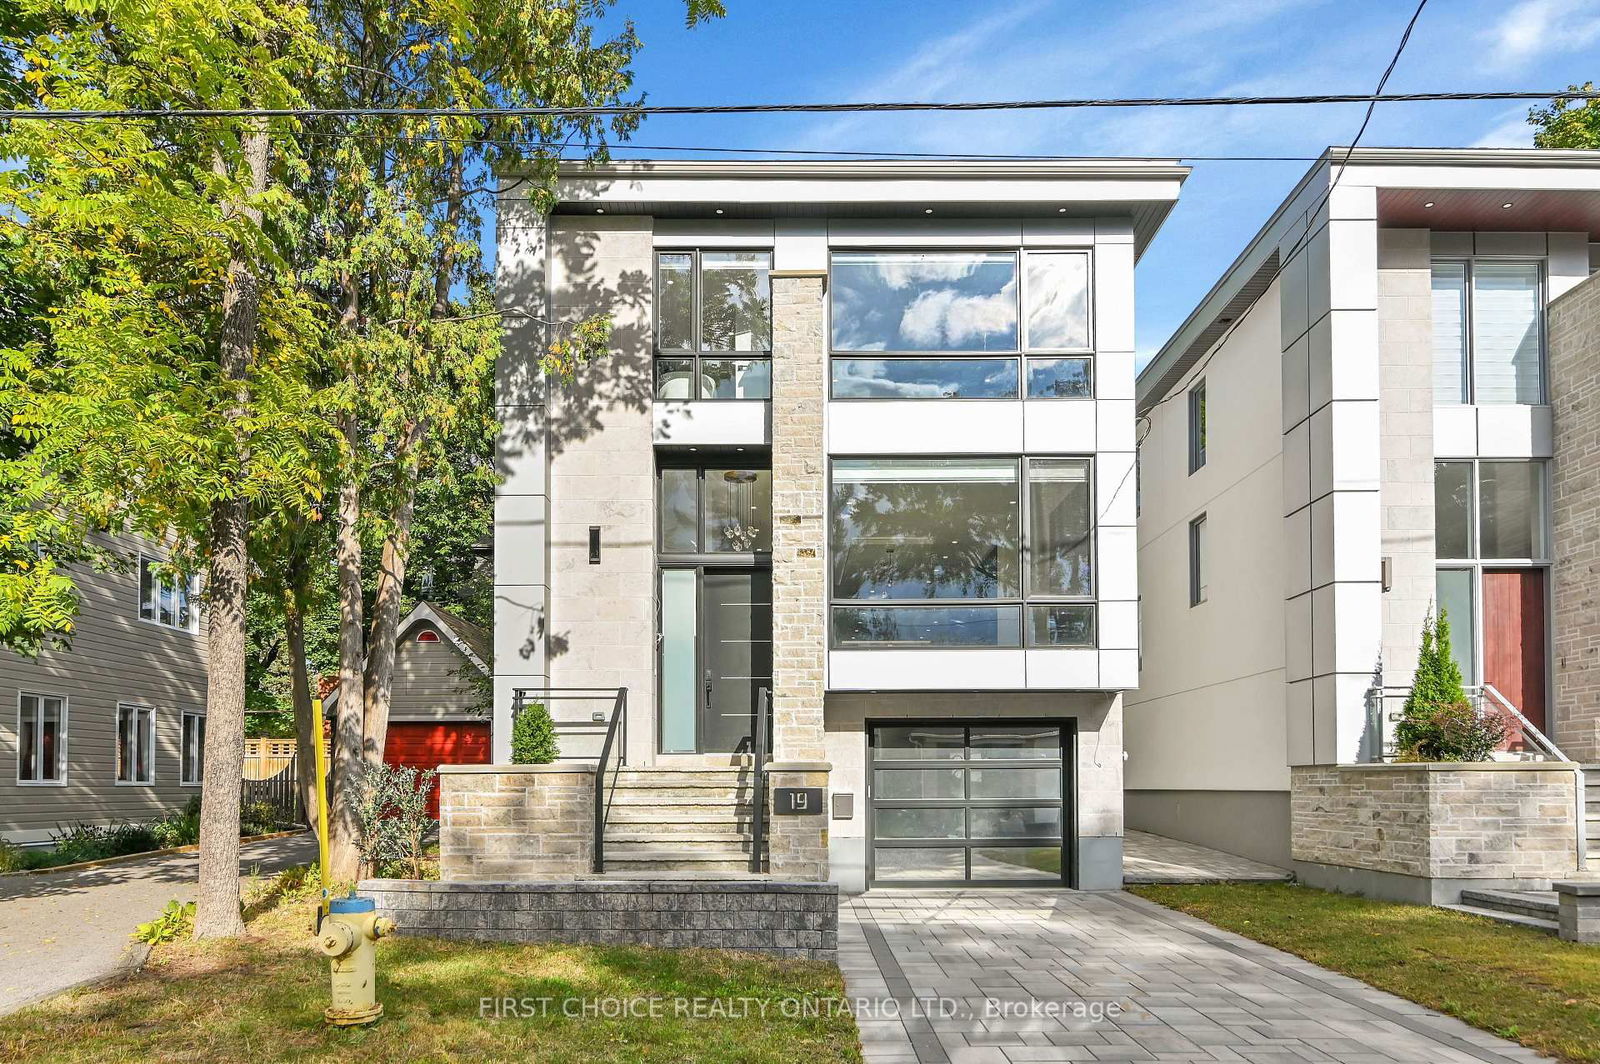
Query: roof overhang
x: 1142, y: 189
x: 1549, y: 191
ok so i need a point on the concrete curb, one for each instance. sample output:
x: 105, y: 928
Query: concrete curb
x: 127, y: 857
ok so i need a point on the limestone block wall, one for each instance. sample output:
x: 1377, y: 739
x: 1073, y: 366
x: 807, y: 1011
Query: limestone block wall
x: 501, y: 822
x: 1574, y: 353
x: 799, y: 555
x: 786, y: 919
x: 1496, y: 820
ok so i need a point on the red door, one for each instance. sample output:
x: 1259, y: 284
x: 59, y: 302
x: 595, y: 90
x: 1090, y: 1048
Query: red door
x: 1514, y: 654
x: 425, y: 744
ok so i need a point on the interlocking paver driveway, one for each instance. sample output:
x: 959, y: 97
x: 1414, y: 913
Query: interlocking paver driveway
x: 1002, y: 977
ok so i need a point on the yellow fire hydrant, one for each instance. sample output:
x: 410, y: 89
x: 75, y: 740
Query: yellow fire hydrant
x: 349, y: 935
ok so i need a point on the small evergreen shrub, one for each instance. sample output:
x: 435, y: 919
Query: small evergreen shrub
x: 1438, y: 722
x: 533, y: 736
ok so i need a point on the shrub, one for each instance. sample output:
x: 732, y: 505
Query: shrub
x: 175, y: 921
x: 178, y: 829
x: 1449, y: 731
x: 258, y: 818
x: 10, y: 857
x: 533, y: 736
x: 90, y: 842
x: 392, y: 810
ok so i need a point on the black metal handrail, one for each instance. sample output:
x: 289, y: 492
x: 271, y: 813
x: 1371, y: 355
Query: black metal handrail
x: 602, y: 805
x: 759, y: 744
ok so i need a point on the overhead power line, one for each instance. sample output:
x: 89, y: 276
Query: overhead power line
x: 30, y: 114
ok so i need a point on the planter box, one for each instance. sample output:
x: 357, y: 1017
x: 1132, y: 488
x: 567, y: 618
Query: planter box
x: 520, y: 822
x: 1424, y: 832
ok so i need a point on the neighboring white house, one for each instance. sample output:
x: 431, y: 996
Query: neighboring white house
x: 864, y: 440
x: 1354, y: 427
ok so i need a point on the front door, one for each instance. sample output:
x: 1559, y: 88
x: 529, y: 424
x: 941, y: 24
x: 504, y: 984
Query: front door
x: 959, y: 803
x: 716, y: 656
x: 1514, y: 656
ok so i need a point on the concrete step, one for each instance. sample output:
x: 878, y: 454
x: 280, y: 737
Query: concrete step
x: 623, y: 860
x: 685, y: 837
x: 679, y: 796
x: 1501, y: 916
x: 1537, y: 904
x: 677, y: 813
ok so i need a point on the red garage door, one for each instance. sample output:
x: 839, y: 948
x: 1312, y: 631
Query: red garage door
x: 423, y: 744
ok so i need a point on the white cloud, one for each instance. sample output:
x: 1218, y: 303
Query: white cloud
x: 944, y: 317
x: 1535, y: 28
x: 1513, y: 132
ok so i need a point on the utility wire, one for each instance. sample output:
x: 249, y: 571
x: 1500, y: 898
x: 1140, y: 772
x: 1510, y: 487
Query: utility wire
x: 34, y: 114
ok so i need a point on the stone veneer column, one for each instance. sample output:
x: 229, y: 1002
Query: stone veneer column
x: 1574, y: 323
x: 798, y: 845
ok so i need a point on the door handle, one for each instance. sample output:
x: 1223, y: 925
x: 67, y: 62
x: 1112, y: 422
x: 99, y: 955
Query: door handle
x: 708, y: 688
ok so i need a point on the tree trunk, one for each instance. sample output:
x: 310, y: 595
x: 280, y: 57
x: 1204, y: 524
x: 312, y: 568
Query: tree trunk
x: 218, y: 913
x: 343, y: 826
x: 307, y: 725
x: 386, y: 618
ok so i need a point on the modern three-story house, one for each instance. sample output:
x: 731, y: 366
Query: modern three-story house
x: 862, y: 449
x: 1369, y: 418
x: 112, y: 729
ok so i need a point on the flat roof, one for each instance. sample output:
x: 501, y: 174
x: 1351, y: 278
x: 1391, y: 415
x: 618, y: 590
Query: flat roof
x: 1437, y: 188
x: 1143, y: 189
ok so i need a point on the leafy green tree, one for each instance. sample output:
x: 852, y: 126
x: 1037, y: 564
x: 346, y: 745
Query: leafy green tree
x: 533, y: 736
x: 163, y: 391
x: 1567, y: 123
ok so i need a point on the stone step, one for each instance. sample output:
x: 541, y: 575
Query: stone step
x: 1501, y: 916
x: 706, y: 796
x: 1536, y: 904
x: 685, y: 836
x: 653, y: 777
x: 622, y: 861
x: 671, y: 847
x: 678, y: 813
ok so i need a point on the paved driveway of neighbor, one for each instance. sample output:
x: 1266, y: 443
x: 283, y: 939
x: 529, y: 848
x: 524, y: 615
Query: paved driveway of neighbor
x: 62, y: 929
x: 1002, y: 977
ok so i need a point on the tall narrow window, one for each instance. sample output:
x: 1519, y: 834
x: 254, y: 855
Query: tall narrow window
x: 1197, y: 560
x: 1197, y: 426
x: 136, y: 740
x: 194, y: 748
x: 1451, y: 372
x: 41, y: 739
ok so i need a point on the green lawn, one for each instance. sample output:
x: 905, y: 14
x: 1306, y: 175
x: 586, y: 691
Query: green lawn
x: 1519, y: 983
x: 261, y: 999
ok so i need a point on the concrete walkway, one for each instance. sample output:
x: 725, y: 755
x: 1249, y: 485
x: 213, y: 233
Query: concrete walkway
x: 1148, y: 858
x: 1002, y: 977
x: 59, y: 930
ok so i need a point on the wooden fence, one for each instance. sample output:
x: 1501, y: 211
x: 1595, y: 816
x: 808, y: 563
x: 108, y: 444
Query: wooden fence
x: 281, y: 791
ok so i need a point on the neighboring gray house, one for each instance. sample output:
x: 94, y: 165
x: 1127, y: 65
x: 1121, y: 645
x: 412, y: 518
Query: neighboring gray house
x: 114, y: 728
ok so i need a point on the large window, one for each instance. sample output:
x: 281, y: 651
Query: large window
x: 136, y: 742
x: 193, y: 768
x: 41, y: 739
x: 1488, y: 335
x: 707, y: 510
x: 165, y: 597
x: 937, y: 552
x: 713, y: 325
x: 961, y: 325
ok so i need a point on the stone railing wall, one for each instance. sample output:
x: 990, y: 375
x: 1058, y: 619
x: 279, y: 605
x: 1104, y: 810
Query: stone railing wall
x: 1489, y: 821
x: 515, y: 822
x: 764, y: 916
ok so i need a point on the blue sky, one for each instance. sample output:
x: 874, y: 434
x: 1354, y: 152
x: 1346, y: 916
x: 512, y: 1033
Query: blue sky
x: 824, y: 50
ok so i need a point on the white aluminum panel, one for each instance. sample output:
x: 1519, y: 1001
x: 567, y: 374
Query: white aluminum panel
x: 1451, y: 245
x: 1455, y: 431
x: 713, y: 423
x: 1294, y: 304
x: 1113, y: 297
x: 1318, y: 284
x: 1114, y: 488
x: 1322, y: 542
x: 712, y: 233
x: 1114, y: 425
x: 1065, y: 668
x: 1323, y: 646
x: 1355, y: 463
x: 1297, y: 638
x: 518, y: 624
x: 1297, y: 552
x: 1569, y: 261
x: 1118, y: 550
x: 1058, y: 232
x: 1357, y: 627
x: 1531, y: 244
x: 1118, y: 626
x: 930, y: 426
x: 800, y: 244
x: 519, y: 539
x: 931, y: 232
x: 1350, y: 718
x: 1298, y: 706
x: 1119, y: 670
x: 519, y: 454
x: 927, y: 670
x: 1353, y: 265
x: 1511, y: 430
x: 1350, y: 201
x: 1357, y: 530
x: 1296, y: 383
x: 1297, y: 467
x: 1115, y: 229
x: 1059, y: 426
x: 1114, y: 375
x: 1352, y: 363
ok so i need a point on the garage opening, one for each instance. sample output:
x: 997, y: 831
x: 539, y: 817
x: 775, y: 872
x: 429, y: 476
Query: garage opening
x: 956, y: 804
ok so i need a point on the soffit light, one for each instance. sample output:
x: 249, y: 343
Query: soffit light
x: 1505, y: 206
x: 927, y: 210
x: 1428, y: 204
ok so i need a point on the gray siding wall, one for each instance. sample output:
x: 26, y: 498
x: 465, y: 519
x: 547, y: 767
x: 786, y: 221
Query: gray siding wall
x: 432, y: 681
x: 115, y: 657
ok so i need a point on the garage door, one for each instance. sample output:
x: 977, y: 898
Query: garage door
x: 956, y: 804
x: 425, y: 745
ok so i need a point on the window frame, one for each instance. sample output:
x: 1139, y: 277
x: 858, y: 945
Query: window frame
x: 1198, y: 424
x: 149, y: 736
x: 192, y: 592
x: 1199, y: 589
x: 1024, y: 354
x: 185, y: 779
x: 1023, y: 602
x: 1470, y: 354
x: 61, y: 741
x: 701, y: 464
x: 697, y: 352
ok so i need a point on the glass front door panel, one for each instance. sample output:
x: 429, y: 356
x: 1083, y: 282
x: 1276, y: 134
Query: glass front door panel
x: 959, y: 803
x: 679, y: 624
